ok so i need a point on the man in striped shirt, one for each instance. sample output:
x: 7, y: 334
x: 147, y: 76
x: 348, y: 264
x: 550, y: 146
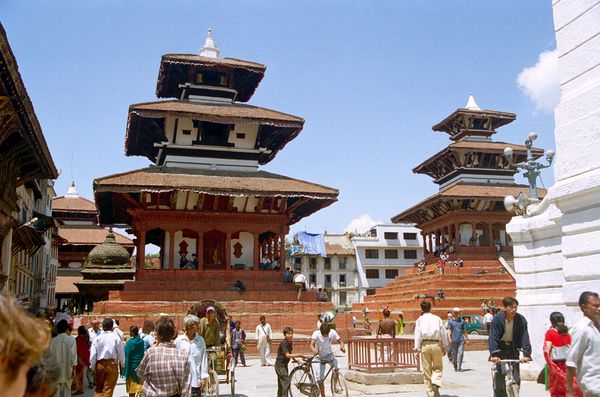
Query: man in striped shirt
x: 165, y: 370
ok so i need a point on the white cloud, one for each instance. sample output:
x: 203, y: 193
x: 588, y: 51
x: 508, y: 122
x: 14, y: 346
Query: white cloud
x: 541, y: 82
x: 361, y: 224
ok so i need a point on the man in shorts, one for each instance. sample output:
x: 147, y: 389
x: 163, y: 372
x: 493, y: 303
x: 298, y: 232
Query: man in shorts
x: 320, y: 344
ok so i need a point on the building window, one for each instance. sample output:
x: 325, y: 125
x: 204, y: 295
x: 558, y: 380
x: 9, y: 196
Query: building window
x: 186, y: 132
x: 370, y: 291
x: 410, y: 254
x: 410, y: 236
x: 327, y: 265
x: 372, y: 254
x: 391, y: 273
x: 312, y: 279
x: 199, y: 79
x: 312, y: 263
x: 327, y: 283
x: 342, y: 280
x: 342, y: 262
x: 390, y: 236
x: 343, y: 298
x: 297, y: 260
x: 240, y: 135
x: 372, y: 273
x: 391, y: 254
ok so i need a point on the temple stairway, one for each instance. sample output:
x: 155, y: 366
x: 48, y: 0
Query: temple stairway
x: 462, y: 288
x: 172, y: 292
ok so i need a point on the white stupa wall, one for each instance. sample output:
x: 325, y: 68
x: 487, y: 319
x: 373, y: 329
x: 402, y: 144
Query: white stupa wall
x: 557, y: 247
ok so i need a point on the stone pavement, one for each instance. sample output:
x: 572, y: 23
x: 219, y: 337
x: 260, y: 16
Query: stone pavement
x: 475, y: 380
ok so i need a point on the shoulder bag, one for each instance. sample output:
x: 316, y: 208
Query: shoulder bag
x: 559, y: 353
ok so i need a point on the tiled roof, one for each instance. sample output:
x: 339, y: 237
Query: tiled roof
x: 73, y: 204
x: 90, y: 235
x: 197, y: 59
x: 467, y: 191
x: 216, y: 112
x: 213, y: 182
x: 66, y: 284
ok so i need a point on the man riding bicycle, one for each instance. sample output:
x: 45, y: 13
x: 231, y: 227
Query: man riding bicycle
x: 320, y: 344
x: 508, y: 335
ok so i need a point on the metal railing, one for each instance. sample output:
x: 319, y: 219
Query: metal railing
x: 381, y: 354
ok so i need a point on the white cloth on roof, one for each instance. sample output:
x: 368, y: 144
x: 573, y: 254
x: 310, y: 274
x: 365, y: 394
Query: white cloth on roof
x: 314, y: 244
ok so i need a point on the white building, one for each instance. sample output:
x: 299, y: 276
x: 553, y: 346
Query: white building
x: 337, y: 272
x: 385, y: 252
x: 557, y: 254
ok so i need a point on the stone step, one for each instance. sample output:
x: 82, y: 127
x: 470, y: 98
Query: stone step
x: 207, y: 285
x: 180, y: 295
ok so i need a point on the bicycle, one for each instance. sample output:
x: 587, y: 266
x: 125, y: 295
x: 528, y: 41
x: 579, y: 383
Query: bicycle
x: 302, y: 379
x: 511, y: 385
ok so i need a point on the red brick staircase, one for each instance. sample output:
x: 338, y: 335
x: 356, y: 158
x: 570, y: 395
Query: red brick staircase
x: 172, y: 292
x: 463, y: 288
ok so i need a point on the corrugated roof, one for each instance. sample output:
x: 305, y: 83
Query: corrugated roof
x: 336, y: 249
x: 73, y: 204
x: 213, y: 182
x: 90, y: 235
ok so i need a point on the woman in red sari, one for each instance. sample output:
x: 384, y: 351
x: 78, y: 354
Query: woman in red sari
x: 83, y: 359
x: 556, y: 344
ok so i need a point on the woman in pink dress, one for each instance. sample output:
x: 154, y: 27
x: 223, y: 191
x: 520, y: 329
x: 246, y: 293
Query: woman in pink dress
x: 556, y: 344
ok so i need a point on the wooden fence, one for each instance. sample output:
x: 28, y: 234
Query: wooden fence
x: 381, y: 354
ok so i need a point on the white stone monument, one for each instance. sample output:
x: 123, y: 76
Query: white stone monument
x: 557, y: 244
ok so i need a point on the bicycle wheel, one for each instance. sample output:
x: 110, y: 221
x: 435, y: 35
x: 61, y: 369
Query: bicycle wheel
x: 232, y: 382
x: 212, y: 384
x: 513, y: 390
x: 339, y: 388
x: 302, y: 383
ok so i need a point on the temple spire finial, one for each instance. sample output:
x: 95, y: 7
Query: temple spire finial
x: 471, y: 104
x: 210, y: 49
x: 72, y: 192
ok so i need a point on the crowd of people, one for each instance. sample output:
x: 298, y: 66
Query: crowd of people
x: 572, y: 355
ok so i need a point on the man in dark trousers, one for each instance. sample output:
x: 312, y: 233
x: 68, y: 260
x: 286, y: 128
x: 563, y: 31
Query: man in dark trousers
x: 508, y: 335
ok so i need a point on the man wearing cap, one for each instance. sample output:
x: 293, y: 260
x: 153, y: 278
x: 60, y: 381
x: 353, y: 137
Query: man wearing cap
x: 209, y: 328
x: 457, y: 337
x: 431, y: 341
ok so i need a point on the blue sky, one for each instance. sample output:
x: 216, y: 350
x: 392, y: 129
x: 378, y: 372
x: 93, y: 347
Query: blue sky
x: 370, y: 79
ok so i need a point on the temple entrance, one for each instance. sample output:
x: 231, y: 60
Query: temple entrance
x: 213, y: 253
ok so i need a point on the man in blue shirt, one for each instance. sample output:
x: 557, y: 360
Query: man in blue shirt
x: 457, y: 336
x: 508, y: 336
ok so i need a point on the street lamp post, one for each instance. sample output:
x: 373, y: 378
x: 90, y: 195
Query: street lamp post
x: 530, y: 167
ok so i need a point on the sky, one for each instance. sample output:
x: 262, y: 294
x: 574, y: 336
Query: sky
x: 369, y: 78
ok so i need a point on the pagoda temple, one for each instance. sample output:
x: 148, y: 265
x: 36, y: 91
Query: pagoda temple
x: 467, y: 214
x: 205, y: 193
x: 466, y: 218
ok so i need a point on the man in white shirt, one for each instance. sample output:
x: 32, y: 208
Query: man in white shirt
x: 320, y: 344
x: 94, y: 330
x: 431, y: 340
x: 264, y: 334
x: 106, y: 356
x: 117, y: 330
x: 487, y: 319
x: 64, y: 349
x: 584, y: 353
x: 299, y: 282
x: 194, y: 345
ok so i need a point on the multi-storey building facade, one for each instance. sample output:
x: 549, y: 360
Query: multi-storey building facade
x: 336, y: 272
x: 384, y: 252
x: 26, y: 168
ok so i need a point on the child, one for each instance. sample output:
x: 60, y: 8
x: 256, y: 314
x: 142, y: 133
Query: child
x: 284, y: 354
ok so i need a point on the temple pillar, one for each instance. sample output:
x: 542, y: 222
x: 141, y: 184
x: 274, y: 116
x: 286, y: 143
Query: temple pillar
x: 255, y: 252
x: 430, y: 237
x: 200, y: 250
x: 141, y: 252
x: 171, y: 249
x: 228, y: 252
x: 282, y: 250
x: 473, y: 234
x: 489, y: 235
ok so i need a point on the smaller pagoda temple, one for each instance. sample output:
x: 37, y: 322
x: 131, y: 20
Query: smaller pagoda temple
x: 467, y: 214
x: 107, y: 267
